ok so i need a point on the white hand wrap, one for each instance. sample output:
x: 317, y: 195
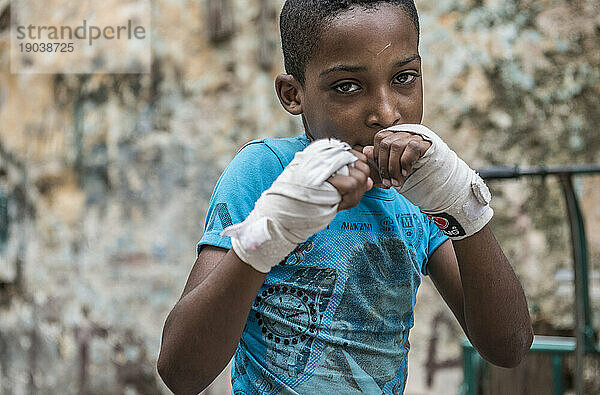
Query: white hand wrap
x: 446, y: 188
x: 298, y: 204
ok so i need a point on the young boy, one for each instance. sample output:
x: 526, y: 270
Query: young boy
x: 315, y: 288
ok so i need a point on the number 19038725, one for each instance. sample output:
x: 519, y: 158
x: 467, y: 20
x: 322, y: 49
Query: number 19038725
x: 46, y: 47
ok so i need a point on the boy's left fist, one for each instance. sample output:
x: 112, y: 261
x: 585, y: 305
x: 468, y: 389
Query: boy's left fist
x: 395, y: 154
x: 434, y: 178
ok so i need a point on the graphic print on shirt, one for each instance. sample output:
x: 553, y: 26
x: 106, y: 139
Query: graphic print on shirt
x: 258, y: 381
x: 222, y: 213
x: 338, y: 373
x: 289, y: 314
x: 376, y: 309
x: 297, y: 255
x: 412, y: 228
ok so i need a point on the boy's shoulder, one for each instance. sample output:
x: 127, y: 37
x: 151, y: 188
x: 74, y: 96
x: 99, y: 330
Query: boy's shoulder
x: 283, y: 148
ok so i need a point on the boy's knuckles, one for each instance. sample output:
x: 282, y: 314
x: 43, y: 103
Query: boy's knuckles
x: 353, y: 172
x: 352, y: 184
x: 359, y: 155
x: 368, y: 172
x: 344, y: 184
x: 368, y: 151
x: 385, y: 145
x: 362, y: 167
x: 407, y: 160
x: 383, y: 134
x: 361, y: 179
x: 396, y: 150
x: 414, y: 145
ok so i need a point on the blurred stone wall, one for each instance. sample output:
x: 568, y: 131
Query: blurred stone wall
x: 105, y: 179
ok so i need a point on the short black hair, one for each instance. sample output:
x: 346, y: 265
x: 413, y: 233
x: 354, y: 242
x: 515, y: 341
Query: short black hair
x: 302, y: 21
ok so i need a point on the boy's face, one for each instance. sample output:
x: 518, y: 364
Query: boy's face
x: 365, y: 76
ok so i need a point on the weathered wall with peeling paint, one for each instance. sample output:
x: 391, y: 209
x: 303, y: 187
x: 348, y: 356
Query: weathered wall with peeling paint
x: 104, y: 179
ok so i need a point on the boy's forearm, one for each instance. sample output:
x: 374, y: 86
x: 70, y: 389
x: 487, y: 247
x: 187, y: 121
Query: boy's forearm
x: 495, y: 307
x: 202, y: 331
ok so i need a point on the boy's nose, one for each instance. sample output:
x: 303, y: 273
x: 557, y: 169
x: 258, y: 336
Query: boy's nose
x: 384, y: 110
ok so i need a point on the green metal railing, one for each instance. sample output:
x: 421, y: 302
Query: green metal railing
x: 584, y: 341
x: 557, y: 347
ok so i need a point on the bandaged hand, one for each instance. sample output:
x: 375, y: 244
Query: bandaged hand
x: 416, y: 161
x: 299, y: 203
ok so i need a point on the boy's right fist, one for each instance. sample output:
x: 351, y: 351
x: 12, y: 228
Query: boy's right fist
x: 355, y: 184
x: 298, y: 204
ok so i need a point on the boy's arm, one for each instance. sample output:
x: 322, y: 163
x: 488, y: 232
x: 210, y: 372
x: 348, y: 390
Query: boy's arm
x: 202, y: 331
x: 485, y: 295
x: 480, y: 287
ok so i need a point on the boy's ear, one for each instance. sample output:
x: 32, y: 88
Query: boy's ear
x: 289, y: 92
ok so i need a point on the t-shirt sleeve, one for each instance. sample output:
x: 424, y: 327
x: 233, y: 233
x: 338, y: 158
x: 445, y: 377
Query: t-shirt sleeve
x: 252, y: 171
x: 436, y: 239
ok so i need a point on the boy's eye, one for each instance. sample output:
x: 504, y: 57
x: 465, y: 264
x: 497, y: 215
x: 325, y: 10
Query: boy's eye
x: 407, y: 78
x: 346, y: 87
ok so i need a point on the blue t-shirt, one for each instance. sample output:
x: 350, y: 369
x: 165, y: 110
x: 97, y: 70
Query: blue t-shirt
x: 335, y: 315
